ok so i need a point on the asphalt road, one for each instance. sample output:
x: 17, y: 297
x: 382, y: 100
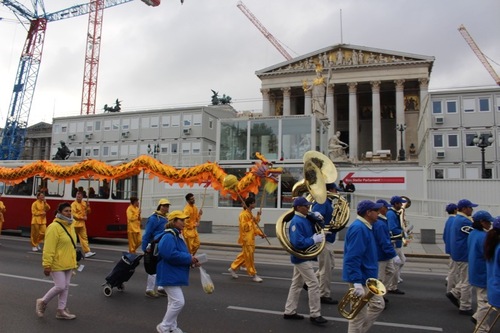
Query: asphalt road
x: 235, y: 306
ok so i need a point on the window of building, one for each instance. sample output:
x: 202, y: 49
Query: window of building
x: 289, y: 177
x: 296, y: 138
x: 469, y: 105
x: 173, y: 147
x: 469, y: 139
x: 97, y: 125
x: 107, y: 125
x: 165, y: 121
x: 472, y: 173
x: 186, y: 148
x: 197, y: 119
x: 95, y: 152
x: 176, y: 120
x: 125, y: 124
x: 438, y: 141
x: 89, y: 127
x: 187, y: 120
x: 451, y: 106
x: 155, y: 121
x: 210, y: 123
x: 145, y: 122
x: 114, y: 150
x: 116, y: 124
x: 105, y: 150
x: 57, y: 128
x: 227, y: 201
x: 454, y: 173
x: 87, y: 152
x: 436, y: 107
x: 484, y: 104
x: 498, y: 103
x: 78, y: 152
x: 452, y: 140
x: 196, y: 148
x: 132, y: 150
x: 64, y: 128
x: 164, y: 148
x: 439, y: 173
x: 234, y: 144
x: 264, y: 138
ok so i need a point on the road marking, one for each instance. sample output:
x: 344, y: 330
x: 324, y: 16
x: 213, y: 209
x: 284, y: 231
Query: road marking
x: 32, y: 279
x: 280, y: 313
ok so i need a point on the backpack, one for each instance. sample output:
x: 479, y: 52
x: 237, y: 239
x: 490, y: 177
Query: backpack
x: 151, y: 254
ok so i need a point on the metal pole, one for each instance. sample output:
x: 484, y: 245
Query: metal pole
x: 483, y: 163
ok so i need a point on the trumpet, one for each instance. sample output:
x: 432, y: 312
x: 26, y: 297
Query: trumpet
x: 350, y: 305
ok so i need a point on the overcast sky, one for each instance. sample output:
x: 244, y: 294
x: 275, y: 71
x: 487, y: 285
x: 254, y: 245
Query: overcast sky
x: 173, y: 55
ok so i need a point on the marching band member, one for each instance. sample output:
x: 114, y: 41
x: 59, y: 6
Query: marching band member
x: 387, y: 256
x: 451, y: 278
x: 397, y: 231
x: 133, y: 225
x: 492, y: 255
x: 248, y: 230
x: 477, y: 263
x: 302, y: 236
x: 80, y: 210
x: 326, y: 259
x: 461, y: 295
x: 192, y: 222
x: 361, y: 263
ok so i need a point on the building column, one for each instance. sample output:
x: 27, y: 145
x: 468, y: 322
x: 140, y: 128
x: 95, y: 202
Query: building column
x: 353, y: 121
x: 266, y: 103
x: 377, y: 126
x: 286, y: 100
x: 47, y: 149
x: 330, y: 111
x: 424, y: 96
x: 400, y: 110
x: 307, y: 102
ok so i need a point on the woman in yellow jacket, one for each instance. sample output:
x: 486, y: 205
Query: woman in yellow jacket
x: 59, y: 261
x: 39, y: 210
x: 134, y: 225
x: 248, y: 230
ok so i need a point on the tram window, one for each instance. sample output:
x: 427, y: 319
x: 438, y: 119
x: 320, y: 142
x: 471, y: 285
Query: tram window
x: 49, y: 188
x: 123, y: 189
x: 23, y: 188
x: 88, y: 188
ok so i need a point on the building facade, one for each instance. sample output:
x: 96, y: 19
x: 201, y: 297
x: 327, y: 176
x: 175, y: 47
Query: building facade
x: 37, y: 145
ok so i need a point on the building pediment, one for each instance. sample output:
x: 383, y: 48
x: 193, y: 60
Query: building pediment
x: 345, y: 56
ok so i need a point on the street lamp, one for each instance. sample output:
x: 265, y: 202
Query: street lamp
x: 482, y: 141
x: 155, y: 150
x: 401, y: 128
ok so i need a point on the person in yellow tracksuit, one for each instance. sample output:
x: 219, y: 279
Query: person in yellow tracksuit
x: 39, y: 210
x: 134, y: 225
x: 190, y: 233
x: 2, y: 211
x: 248, y: 230
x: 80, y: 211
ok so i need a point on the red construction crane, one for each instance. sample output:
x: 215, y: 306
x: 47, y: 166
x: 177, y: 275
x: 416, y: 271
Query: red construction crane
x: 263, y: 30
x: 479, y: 53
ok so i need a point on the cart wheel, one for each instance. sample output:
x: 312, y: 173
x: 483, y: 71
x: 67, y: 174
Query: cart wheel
x: 121, y: 287
x: 107, y: 290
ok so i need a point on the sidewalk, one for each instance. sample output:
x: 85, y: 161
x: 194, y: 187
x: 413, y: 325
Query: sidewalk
x: 228, y: 236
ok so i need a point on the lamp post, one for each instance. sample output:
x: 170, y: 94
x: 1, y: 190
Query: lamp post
x: 401, y: 128
x: 154, y: 150
x: 482, y: 141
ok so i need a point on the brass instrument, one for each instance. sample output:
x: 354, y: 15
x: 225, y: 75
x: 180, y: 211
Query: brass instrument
x: 350, y: 305
x: 466, y: 229
x: 318, y: 171
x: 486, y: 316
x: 407, y: 228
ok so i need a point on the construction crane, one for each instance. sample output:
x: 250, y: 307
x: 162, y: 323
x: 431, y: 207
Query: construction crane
x: 14, y: 132
x: 263, y: 30
x: 479, y: 53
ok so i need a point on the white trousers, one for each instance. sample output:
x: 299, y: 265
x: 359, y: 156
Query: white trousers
x: 452, y: 276
x: 367, y: 316
x: 304, y: 272
x: 326, y: 262
x: 463, y: 290
x: 482, y: 309
x: 175, y: 304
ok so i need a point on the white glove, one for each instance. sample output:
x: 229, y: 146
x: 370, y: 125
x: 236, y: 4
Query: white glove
x: 358, y: 291
x: 397, y: 260
x: 318, y: 238
x: 318, y: 215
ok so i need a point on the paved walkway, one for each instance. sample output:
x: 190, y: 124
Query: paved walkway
x: 228, y: 236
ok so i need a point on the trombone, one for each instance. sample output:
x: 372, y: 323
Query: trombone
x: 485, y: 318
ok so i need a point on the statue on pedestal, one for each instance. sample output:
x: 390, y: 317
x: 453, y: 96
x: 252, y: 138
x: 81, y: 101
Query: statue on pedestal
x: 336, y: 148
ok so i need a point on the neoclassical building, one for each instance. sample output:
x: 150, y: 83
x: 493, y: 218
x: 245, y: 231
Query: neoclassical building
x: 363, y: 93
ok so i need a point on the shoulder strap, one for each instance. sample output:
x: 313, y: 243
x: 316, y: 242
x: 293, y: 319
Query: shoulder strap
x: 72, y: 241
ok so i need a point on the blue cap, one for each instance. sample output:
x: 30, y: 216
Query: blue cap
x: 383, y: 202
x: 330, y: 186
x: 464, y: 203
x: 482, y: 215
x: 366, y: 205
x: 301, y: 201
x: 450, y: 208
x: 396, y: 199
x: 496, y: 223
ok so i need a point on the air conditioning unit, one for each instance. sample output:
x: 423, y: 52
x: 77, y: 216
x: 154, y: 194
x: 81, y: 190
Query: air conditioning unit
x: 439, y: 120
x: 187, y: 131
x: 440, y: 154
x: 88, y: 136
x: 72, y: 136
x: 125, y: 134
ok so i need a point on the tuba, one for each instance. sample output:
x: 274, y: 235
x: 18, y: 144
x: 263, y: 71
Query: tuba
x: 407, y: 228
x: 318, y: 171
x: 350, y: 305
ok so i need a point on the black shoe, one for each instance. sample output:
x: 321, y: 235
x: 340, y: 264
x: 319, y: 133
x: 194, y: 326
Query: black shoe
x: 328, y: 300
x: 453, y: 299
x: 305, y: 287
x: 474, y: 320
x: 293, y: 316
x: 318, y: 320
x: 386, y: 300
x: 396, y: 292
x: 466, y: 312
